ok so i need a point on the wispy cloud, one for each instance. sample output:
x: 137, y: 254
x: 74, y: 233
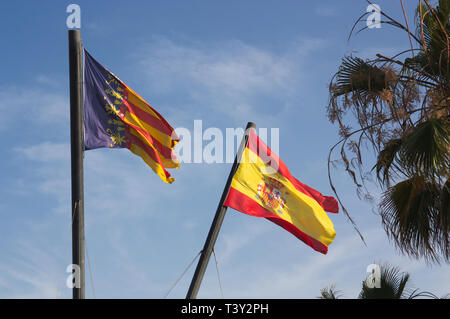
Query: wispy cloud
x: 30, y: 272
x: 32, y: 105
x: 50, y: 171
x: 231, y: 242
x: 230, y: 79
x: 45, y: 152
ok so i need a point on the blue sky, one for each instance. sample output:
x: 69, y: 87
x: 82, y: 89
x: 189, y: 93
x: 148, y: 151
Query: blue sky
x: 222, y: 62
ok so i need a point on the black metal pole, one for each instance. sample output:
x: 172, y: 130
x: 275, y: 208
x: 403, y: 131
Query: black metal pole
x: 76, y: 150
x: 217, y: 222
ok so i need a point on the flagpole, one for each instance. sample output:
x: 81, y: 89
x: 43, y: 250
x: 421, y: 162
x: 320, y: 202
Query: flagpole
x: 217, y: 221
x: 76, y: 150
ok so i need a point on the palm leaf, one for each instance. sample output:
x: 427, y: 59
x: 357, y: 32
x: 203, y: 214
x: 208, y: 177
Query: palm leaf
x: 385, y: 160
x: 425, y: 150
x: 330, y: 293
x: 433, y: 28
x: 444, y: 220
x: 445, y: 204
x: 357, y: 76
x: 409, y: 212
x: 392, y: 285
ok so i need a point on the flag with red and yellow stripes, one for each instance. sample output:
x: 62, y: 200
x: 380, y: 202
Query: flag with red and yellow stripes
x: 117, y: 117
x: 263, y: 187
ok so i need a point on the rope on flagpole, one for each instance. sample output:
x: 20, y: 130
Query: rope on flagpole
x: 182, y: 274
x: 59, y: 289
x: 217, y: 270
x: 66, y: 256
x: 90, y: 270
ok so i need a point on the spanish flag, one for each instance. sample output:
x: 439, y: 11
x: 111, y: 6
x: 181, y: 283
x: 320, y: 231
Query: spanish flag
x: 117, y: 117
x: 263, y: 187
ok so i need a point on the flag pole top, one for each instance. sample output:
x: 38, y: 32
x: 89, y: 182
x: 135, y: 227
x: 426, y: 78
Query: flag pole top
x: 76, y: 34
x: 250, y: 125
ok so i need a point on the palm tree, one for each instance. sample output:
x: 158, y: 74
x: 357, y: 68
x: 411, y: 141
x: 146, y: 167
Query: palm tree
x: 402, y: 111
x: 393, y: 285
x: 330, y: 293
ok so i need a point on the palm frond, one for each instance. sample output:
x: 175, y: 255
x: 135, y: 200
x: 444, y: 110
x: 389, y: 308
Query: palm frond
x: 423, y: 294
x: 357, y: 76
x: 392, y: 285
x: 409, y: 213
x: 433, y: 28
x: 425, y: 150
x: 443, y: 220
x: 385, y: 160
x: 330, y: 293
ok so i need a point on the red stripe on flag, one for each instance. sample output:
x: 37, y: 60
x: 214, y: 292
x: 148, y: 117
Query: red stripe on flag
x: 246, y: 205
x: 132, y: 139
x: 162, y: 149
x: 161, y: 118
x: 311, y: 242
x: 150, y: 119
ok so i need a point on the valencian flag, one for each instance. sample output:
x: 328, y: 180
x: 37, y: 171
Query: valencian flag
x: 117, y: 117
x: 264, y: 187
